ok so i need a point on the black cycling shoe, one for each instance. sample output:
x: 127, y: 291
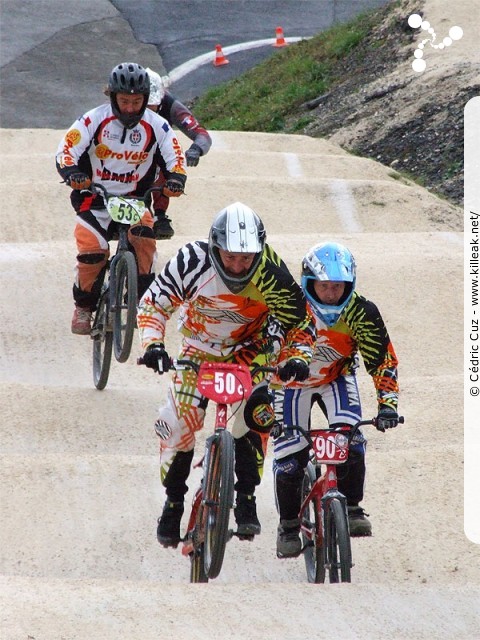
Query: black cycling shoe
x: 162, y: 227
x: 168, y: 529
x: 246, y: 517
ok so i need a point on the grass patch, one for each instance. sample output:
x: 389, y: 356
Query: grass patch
x: 263, y: 98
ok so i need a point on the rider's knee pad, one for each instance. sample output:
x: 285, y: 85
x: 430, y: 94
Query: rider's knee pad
x: 258, y: 413
x: 142, y: 231
x: 91, y: 258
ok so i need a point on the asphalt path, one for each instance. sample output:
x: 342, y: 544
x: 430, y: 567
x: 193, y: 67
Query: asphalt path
x: 56, y: 54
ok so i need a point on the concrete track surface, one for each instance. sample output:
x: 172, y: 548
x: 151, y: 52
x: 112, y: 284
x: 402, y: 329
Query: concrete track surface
x: 80, y: 491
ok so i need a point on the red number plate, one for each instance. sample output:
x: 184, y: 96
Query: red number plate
x: 330, y: 447
x: 224, y: 382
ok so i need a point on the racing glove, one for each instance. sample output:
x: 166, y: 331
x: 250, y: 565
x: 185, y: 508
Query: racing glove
x: 156, y: 358
x: 387, y: 418
x: 193, y: 155
x: 294, y: 368
x: 174, y: 187
x: 78, y: 181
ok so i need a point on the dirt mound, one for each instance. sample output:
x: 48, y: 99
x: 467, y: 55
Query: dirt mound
x: 411, y: 121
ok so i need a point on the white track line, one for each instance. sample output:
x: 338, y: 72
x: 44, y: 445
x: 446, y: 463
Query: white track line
x: 189, y: 66
x: 294, y: 166
x: 344, y: 203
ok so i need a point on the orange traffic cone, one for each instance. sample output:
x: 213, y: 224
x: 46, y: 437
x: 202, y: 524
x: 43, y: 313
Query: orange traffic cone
x: 280, y: 40
x: 219, y: 57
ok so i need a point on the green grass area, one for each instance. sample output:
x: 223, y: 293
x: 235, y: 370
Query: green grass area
x: 263, y: 98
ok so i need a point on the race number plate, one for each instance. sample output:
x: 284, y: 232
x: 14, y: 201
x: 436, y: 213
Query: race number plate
x: 126, y: 210
x: 224, y: 382
x: 330, y: 447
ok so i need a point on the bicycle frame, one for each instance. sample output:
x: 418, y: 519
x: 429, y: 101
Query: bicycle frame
x: 325, y: 487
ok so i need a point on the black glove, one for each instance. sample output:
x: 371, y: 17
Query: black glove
x: 78, y: 181
x: 294, y: 368
x: 156, y: 358
x: 173, y: 187
x: 387, y: 418
x: 193, y: 155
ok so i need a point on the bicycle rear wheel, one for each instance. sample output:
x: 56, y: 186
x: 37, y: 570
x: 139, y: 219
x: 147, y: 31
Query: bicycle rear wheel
x: 311, y: 523
x: 125, y: 305
x: 337, y: 542
x: 218, y: 497
x: 102, y: 342
x: 197, y: 561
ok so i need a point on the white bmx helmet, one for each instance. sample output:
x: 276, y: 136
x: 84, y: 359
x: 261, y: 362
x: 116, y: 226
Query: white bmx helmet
x: 157, y: 88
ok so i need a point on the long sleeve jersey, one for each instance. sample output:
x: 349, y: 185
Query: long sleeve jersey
x: 216, y: 321
x: 125, y: 161
x: 178, y: 115
x: 360, y: 329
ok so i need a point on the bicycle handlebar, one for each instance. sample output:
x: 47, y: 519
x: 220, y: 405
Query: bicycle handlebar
x: 278, y: 429
x: 183, y: 364
x: 98, y: 189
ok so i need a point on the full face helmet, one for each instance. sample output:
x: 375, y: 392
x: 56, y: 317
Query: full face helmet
x: 157, y: 88
x: 331, y: 262
x: 131, y: 78
x: 236, y: 229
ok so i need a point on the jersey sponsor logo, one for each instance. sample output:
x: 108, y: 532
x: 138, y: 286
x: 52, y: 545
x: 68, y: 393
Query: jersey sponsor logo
x: 103, y: 152
x: 73, y: 137
x: 179, y: 153
x: 135, y: 137
x: 67, y: 161
x: 105, y: 174
x: 110, y: 135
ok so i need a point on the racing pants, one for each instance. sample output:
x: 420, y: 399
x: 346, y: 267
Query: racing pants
x: 93, y: 231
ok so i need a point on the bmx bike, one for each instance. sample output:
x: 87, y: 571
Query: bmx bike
x: 323, y: 514
x: 115, y: 316
x: 208, y: 530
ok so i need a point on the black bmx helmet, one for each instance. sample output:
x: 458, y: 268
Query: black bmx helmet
x: 238, y: 229
x: 128, y: 77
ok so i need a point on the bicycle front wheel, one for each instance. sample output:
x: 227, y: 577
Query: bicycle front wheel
x: 312, y: 535
x: 102, y: 337
x: 337, y: 542
x: 218, y: 499
x: 125, y: 305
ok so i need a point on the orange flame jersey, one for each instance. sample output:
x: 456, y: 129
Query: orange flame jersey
x: 360, y: 329
x: 213, y: 320
x: 126, y: 161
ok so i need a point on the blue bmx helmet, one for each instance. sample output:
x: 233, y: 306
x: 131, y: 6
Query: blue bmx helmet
x: 328, y: 262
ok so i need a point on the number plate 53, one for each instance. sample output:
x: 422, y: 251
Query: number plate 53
x: 126, y: 210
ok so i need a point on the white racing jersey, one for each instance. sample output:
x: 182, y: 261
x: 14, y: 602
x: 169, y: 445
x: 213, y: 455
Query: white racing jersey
x: 125, y: 161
